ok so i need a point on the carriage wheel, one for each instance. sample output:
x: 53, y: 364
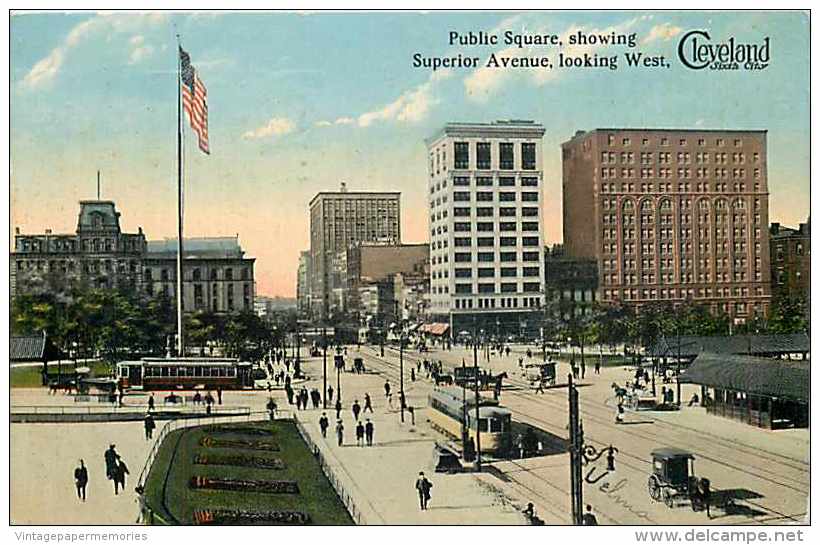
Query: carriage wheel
x: 668, y: 498
x: 654, y: 488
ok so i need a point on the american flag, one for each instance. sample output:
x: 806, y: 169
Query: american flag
x: 194, y: 100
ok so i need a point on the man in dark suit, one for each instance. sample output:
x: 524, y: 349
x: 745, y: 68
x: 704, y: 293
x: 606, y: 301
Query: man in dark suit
x: 81, y: 480
x: 423, y: 487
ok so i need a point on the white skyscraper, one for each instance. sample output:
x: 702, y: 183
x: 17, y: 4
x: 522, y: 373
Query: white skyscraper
x: 486, y: 231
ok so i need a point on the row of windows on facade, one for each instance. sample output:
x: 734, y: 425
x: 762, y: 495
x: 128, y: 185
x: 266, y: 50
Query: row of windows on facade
x: 493, y: 288
x: 196, y: 274
x: 483, y: 156
x: 70, y: 245
x: 652, y: 294
x: 489, y: 272
x: 503, y: 302
x: 199, y: 296
x: 681, y: 278
x: 684, y: 187
x: 701, y: 173
x: 667, y: 220
x: 487, y: 212
x: 487, y: 257
x: 486, y: 196
x: 783, y: 276
x: 683, y: 233
x: 668, y: 205
x: 360, y: 203
x: 461, y: 242
x: 612, y: 140
x: 485, y: 181
x: 667, y: 249
x: 683, y: 158
x: 66, y: 266
x: 780, y: 250
x: 648, y: 262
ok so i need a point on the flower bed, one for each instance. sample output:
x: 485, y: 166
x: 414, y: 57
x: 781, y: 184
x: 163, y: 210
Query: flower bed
x: 239, y: 460
x: 239, y: 430
x: 238, y: 516
x: 211, y: 442
x: 244, y: 485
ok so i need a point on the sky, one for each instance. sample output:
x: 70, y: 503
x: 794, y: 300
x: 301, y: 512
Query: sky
x: 299, y: 102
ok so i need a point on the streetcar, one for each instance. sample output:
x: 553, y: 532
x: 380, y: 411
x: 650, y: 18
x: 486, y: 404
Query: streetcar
x: 448, y: 406
x: 184, y: 374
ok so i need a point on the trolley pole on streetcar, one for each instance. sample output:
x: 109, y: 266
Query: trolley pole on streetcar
x: 324, y: 367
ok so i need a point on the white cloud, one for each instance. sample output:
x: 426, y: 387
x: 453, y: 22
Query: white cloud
x: 140, y: 53
x: 344, y: 121
x: 276, y: 126
x: 665, y: 32
x: 47, y: 68
x: 323, y: 123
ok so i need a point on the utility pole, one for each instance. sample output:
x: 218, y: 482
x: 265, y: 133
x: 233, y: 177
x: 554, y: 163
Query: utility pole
x: 401, y: 373
x: 576, y: 440
x: 477, y: 405
x: 324, y: 367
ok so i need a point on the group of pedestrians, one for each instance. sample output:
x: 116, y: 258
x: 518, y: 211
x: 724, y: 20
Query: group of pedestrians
x: 115, y: 470
x: 364, y: 431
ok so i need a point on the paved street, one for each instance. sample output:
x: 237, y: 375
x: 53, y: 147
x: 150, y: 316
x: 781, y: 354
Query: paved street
x: 766, y: 472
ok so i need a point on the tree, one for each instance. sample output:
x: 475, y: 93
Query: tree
x: 788, y: 315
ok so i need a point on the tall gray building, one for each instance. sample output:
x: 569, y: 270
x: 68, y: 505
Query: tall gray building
x: 303, y: 283
x: 341, y: 219
x: 485, y: 189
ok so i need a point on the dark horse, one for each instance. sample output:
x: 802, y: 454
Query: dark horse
x: 619, y: 392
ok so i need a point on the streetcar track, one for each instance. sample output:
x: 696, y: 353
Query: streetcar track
x: 595, y: 418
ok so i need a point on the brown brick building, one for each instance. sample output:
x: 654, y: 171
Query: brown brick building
x: 671, y: 215
x: 791, y: 260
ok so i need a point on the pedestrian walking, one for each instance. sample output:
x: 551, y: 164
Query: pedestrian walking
x: 598, y: 367
x: 412, y: 412
x: 540, y: 388
x: 360, y: 434
x: 219, y: 396
x: 706, y: 490
x: 583, y: 369
x: 338, y: 409
x: 368, y: 403
x: 149, y: 426
x: 390, y: 400
x: 387, y: 388
x: 151, y: 403
x: 368, y: 432
x: 119, y: 475
x: 340, y: 432
x: 110, y: 462
x: 356, y: 408
x: 271, y: 406
x: 588, y: 518
x: 423, y: 487
x: 81, y: 480
x: 324, y: 424
x: 330, y: 394
x: 619, y: 414
x: 289, y: 393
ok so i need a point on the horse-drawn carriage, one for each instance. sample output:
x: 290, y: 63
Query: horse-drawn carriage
x: 673, y: 479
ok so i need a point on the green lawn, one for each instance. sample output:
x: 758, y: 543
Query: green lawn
x: 175, y: 460
x: 30, y: 377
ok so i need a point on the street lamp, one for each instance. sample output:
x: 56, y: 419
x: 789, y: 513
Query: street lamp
x: 582, y: 454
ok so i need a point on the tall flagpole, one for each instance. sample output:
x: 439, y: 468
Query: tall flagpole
x: 180, y: 341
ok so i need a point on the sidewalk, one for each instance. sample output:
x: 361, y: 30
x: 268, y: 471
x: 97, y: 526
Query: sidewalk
x: 382, y: 477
